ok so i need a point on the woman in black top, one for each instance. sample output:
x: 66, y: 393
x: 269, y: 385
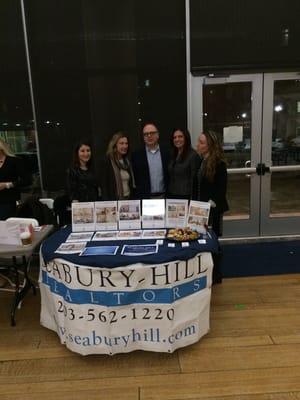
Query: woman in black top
x: 211, y: 186
x: 82, y: 184
x: 211, y: 178
x: 118, y: 180
x: 13, y: 176
x: 183, y: 165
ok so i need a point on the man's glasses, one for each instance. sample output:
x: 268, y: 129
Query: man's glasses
x: 150, y: 133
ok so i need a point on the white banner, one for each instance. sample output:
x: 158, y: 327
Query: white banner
x: 138, y: 307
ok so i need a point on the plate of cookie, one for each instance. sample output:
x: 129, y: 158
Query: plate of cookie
x: 182, y: 234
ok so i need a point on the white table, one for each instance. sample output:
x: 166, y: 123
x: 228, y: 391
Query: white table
x: 16, y: 258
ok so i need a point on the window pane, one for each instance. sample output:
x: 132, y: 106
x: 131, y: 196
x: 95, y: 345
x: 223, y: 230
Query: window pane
x: 238, y: 195
x: 229, y: 106
x: 285, y: 186
x: 16, y: 117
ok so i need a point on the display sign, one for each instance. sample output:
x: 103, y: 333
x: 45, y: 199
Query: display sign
x: 198, y: 215
x: 153, y: 213
x: 176, y: 213
x: 233, y: 134
x: 129, y: 214
x: 83, y: 217
x: 106, y: 215
x: 158, y: 307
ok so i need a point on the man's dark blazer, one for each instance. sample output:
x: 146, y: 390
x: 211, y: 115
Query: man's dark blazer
x: 141, y: 171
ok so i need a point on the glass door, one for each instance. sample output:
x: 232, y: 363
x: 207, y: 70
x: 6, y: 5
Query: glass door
x: 257, y: 118
x: 280, y: 194
x: 232, y: 107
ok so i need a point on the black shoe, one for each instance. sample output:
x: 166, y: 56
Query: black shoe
x: 217, y: 278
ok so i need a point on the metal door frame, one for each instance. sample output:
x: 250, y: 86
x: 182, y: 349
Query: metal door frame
x: 244, y: 227
x: 275, y: 225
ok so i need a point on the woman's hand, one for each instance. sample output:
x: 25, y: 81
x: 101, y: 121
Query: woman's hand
x: 212, y: 203
x: 5, y: 185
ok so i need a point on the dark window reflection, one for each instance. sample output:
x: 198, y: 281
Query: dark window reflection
x: 286, y: 122
x: 237, y: 35
x: 227, y: 111
x: 16, y: 117
x: 56, y: 46
x: 101, y: 67
x: 161, y: 63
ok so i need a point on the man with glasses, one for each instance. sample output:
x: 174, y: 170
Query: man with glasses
x: 150, y: 166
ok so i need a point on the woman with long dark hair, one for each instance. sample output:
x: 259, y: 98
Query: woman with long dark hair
x: 118, y: 180
x: 81, y: 180
x: 183, y: 165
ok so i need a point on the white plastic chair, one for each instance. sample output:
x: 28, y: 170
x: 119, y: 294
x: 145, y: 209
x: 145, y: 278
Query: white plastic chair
x: 49, y: 202
x: 26, y: 221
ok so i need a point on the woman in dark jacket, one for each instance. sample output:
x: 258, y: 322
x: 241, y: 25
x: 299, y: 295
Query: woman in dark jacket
x: 13, y: 176
x: 211, y: 179
x: 81, y: 180
x: 211, y: 186
x: 183, y: 165
x: 118, y: 180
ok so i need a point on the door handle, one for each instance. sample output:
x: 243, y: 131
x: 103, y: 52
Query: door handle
x: 248, y: 165
x: 261, y: 169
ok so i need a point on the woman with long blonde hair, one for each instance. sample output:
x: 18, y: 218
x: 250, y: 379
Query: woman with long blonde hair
x: 118, y: 180
x: 211, y: 178
x: 13, y: 176
x: 211, y: 186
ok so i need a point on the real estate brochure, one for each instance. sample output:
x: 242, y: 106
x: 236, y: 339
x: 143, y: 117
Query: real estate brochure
x: 176, y: 213
x: 139, y: 249
x: 80, y: 237
x: 106, y: 215
x: 153, y: 212
x: 83, y: 217
x: 100, y: 251
x: 154, y: 234
x: 105, y: 235
x: 198, y: 215
x: 129, y: 214
x: 71, y: 247
x: 130, y: 234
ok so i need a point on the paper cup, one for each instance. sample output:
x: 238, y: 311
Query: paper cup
x: 25, y: 238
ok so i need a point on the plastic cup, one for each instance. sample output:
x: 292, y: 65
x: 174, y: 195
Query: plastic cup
x: 25, y: 238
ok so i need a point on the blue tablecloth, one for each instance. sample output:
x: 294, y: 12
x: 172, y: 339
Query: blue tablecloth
x: 165, y: 253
